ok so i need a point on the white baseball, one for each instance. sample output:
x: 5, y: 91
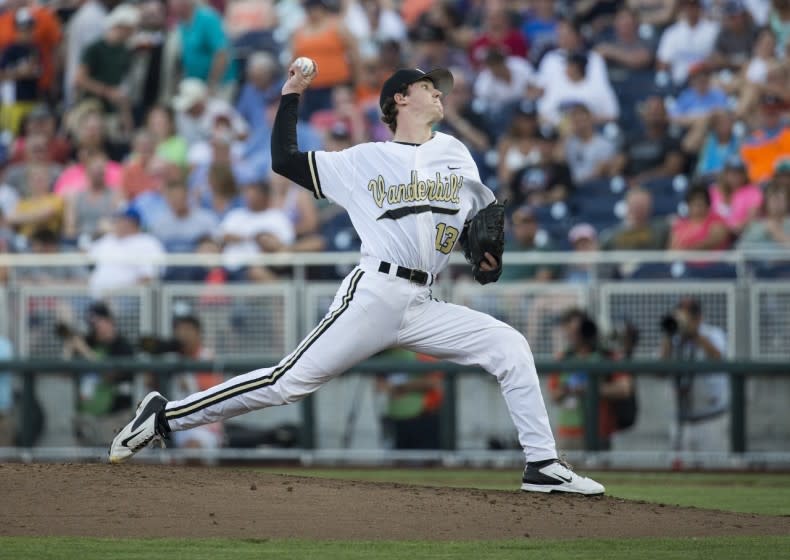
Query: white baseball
x: 305, y: 65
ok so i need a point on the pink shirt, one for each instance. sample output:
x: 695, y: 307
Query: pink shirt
x: 74, y: 179
x: 744, y: 201
x: 687, y: 234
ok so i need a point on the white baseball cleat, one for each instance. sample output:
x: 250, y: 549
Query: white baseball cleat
x: 145, y: 427
x: 554, y: 475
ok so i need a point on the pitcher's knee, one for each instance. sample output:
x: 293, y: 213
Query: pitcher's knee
x: 510, y: 355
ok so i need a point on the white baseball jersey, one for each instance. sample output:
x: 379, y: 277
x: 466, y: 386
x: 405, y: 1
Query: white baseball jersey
x: 407, y: 202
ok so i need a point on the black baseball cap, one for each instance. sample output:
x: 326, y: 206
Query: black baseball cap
x: 442, y: 80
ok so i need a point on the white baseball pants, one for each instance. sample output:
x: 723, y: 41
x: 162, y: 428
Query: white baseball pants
x: 371, y: 312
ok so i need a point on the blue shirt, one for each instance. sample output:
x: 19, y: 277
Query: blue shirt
x: 691, y: 102
x: 201, y: 38
x: 715, y: 154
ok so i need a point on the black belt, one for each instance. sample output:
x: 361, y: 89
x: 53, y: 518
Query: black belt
x: 417, y: 276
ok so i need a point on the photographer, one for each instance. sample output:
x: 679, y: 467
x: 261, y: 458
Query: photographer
x: 105, y: 398
x: 702, y: 400
x: 616, y: 391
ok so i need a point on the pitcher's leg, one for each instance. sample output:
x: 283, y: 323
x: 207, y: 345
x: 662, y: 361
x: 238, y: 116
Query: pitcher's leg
x: 468, y: 337
x: 340, y: 340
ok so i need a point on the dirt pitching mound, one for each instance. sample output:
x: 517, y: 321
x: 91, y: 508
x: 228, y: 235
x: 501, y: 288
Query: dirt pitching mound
x: 157, y: 501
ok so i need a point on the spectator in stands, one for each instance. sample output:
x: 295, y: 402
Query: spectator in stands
x: 736, y: 38
x: 261, y: 88
x: 104, y: 397
x: 324, y: 38
x: 503, y: 82
x: 20, y: 66
x: 221, y: 150
x: 84, y: 28
x: 499, y: 34
x: 568, y: 390
x: 772, y: 229
x: 170, y: 147
x: 540, y: 27
x: 714, y: 139
x: 779, y: 22
x: 653, y: 151
x: 579, y: 85
x: 45, y: 242
x: 142, y: 171
x: 703, y: 229
x: 300, y: 207
x: 763, y: 57
x: 782, y: 174
x: 626, y: 51
x: 525, y: 238
x: 181, y: 225
x: 656, y: 13
x: 85, y: 124
x: 197, y: 112
x: 432, y: 50
x: 521, y: 145
x: 36, y: 155
x: 41, y: 122
x: 703, y: 400
x: 138, y: 253
x: 552, y: 69
x: 154, y: 62
x: 205, y: 49
x: 595, y: 16
x: 638, y: 232
x: 224, y: 194
x: 588, y: 153
x: 584, y: 239
x: 103, y: 72
x: 372, y: 22
x: 74, y: 178
x: 41, y: 208
x: 188, y: 334
x: 542, y: 181
x: 464, y: 120
x: 734, y: 198
x: 256, y: 228
x: 344, y: 110
x: 46, y: 38
x: 700, y: 99
x: 768, y: 142
x: 686, y: 42
x: 89, y: 212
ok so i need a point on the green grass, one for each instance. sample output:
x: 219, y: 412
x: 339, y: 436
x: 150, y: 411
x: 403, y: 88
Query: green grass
x: 21, y: 548
x: 767, y: 494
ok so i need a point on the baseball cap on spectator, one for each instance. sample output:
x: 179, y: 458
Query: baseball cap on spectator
x: 130, y: 213
x: 191, y: 91
x: 23, y: 19
x: 99, y: 309
x: 442, y: 80
x: 582, y: 231
x: 123, y: 15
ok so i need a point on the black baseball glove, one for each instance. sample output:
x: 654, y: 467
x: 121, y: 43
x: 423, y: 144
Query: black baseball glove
x: 485, y: 233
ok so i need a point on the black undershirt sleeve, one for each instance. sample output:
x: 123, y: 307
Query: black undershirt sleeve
x: 287, y: 160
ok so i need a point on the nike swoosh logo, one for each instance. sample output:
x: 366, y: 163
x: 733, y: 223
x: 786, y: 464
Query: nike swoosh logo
x: 125, y: 443
x: 562, y: 477
x: 453, y: 168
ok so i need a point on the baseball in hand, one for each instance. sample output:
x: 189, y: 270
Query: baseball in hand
x: 305, y: 65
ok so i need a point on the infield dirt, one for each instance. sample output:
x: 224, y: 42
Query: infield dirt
x: 163, y: 501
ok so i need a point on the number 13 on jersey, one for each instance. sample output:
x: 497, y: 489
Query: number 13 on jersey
x: 445, y: 238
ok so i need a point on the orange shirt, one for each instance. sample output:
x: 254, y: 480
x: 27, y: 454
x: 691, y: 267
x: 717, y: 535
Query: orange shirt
x: 328, y: 50
x: 46, y: 36
x: 136, y: 180
x: 761, y: 154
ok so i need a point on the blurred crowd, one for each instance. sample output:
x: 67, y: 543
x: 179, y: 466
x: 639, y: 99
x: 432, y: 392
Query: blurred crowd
x: 143, y: 127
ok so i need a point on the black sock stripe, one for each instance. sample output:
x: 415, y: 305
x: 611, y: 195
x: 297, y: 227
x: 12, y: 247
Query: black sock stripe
x: 281, y: 369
